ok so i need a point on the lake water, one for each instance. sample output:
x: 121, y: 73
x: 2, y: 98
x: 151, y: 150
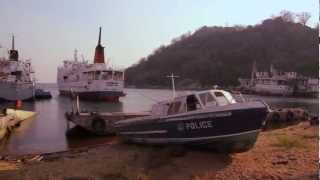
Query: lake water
x: 46, y: 132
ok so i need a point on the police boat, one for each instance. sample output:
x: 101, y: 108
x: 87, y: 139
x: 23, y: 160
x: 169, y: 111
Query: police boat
x: 212, y: 119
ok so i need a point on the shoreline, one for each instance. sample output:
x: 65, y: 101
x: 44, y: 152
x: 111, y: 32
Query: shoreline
x: 290, y: 152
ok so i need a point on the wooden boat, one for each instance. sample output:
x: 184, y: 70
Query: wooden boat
x: 209, y: 119
x: 99, y: 123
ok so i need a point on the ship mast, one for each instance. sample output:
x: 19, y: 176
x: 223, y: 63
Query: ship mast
x: 12, y: 42
x: 13, y: 54
x: 99, y: 53
x: 253, y: 72
x: 75, y: 55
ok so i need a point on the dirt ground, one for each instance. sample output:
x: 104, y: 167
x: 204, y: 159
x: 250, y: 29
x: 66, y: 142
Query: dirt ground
x: 288, y: 153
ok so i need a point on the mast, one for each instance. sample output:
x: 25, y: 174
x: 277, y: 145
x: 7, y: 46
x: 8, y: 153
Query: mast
x: 75, y: 55
x: 253, y: 72
x: 99, y: 41
x: 173, y: 85
x: 99, y: 53
x: 13, y: 54
x: 12, y: 42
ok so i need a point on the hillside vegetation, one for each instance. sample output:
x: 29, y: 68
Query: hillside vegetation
x: 220, y: 55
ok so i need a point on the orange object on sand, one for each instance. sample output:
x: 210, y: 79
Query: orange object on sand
x: 18, y: 104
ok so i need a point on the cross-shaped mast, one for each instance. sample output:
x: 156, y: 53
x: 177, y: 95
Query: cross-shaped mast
x: 172, y: 76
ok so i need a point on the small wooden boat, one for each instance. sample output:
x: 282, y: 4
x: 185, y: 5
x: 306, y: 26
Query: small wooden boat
x: 99, y: 123
x: 42, y: 94
x: 208, y: 119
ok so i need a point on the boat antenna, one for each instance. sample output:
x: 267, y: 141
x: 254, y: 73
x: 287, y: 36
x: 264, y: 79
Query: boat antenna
x: 82, y: 57
x: 253, y: 72
x: 172, y: 76
x: 75, y: 56
x: 12, y: 42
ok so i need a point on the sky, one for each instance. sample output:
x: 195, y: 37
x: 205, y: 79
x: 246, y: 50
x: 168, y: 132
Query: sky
x: 48, y: 31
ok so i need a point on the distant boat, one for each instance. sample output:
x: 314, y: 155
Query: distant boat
x: 94, y: 81
x: 280, y: 83
x: 42, y: 94
x: 208, y: 119
x: 16, y: 77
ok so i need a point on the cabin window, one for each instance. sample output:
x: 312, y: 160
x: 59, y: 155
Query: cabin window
x: 192, y: 103
x: 231, y: 98
x: 16, y: 73
x: 281, y: 82
x: 117, y: 75
x: 97, y: 75
x: 207, y: 99
x: 221, y: 99
x: 107, y: 75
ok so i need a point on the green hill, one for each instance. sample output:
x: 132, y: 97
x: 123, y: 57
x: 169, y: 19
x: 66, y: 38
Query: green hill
x: 220, y: 55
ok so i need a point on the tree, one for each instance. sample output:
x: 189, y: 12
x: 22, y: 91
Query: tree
x: 221, y: 55
x: 303, y: 17
x: 287, y: 16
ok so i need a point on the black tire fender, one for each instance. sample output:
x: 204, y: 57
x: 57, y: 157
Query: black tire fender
x: 98, y: 125
x: 290, y: 117
x: 275, y: 117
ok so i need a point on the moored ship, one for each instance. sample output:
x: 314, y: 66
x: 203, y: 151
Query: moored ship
x: 16, y: 77
x: 280, y: 83
x: 91, y: 81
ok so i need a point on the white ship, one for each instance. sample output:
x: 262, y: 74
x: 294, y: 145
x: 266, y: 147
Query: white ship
x: 16, y: 77
x: 91, y: 81
x: 276, y: 82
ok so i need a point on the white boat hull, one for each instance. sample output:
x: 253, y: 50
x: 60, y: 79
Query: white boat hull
x: 94, y: 90
x: 11, y: 91
x: 273, y: 89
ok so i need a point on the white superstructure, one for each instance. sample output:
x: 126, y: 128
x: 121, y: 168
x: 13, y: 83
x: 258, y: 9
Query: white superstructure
x: 91, y: 81
x: 280, y: 83
x: 16, y: 77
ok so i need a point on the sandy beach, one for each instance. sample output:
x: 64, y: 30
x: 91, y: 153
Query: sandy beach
x: 288, y: 153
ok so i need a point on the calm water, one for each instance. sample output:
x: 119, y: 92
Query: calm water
x: 46, y: 132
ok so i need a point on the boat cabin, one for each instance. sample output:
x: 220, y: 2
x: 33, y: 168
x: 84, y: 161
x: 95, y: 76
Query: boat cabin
x: 192, y: 102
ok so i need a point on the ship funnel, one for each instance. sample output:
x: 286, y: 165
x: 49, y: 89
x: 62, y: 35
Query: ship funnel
x: 13, y: 54
x: 99, y: 53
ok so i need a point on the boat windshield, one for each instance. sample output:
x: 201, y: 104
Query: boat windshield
x: 221, y: 99
x: 207, y: 99
x: 230, y: 98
